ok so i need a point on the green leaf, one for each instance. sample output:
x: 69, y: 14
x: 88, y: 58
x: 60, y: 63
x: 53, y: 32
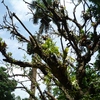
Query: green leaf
x: 82, y: 31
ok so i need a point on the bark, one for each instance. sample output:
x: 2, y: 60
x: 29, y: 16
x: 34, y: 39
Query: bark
x: 33, y: 82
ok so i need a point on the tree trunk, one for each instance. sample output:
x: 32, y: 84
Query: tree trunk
x: 33, y: 82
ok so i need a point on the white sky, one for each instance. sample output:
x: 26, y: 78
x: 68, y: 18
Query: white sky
x: 20, y: 8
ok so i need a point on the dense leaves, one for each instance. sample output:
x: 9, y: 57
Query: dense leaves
x: 6, y: 85
x: 95, y: 7
x: 49, y: 47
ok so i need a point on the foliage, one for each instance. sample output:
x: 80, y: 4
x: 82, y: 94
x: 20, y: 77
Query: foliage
x: 66, y: 70
x: 39, y: 15
x: 97, y: 62
x: 58, y: 94
x: 95, y: 6
x: 25, y: 99
x: 6, y: 85
x: 49, y: 47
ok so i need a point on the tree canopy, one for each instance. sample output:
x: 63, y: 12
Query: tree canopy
x: 6, y: 85
x: 62, y: 49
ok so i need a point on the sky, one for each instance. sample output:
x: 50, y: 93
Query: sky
x: 21, y: 9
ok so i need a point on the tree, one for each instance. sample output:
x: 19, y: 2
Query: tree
x: 44, y: 20
x: 67, y: 70
x: 7, y: 85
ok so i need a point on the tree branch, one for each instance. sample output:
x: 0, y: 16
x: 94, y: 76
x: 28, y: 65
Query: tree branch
x: 49, y: 94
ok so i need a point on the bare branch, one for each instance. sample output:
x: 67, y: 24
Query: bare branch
x: 24, y: 27
x: 74, y: 11
x: 49, y: 94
